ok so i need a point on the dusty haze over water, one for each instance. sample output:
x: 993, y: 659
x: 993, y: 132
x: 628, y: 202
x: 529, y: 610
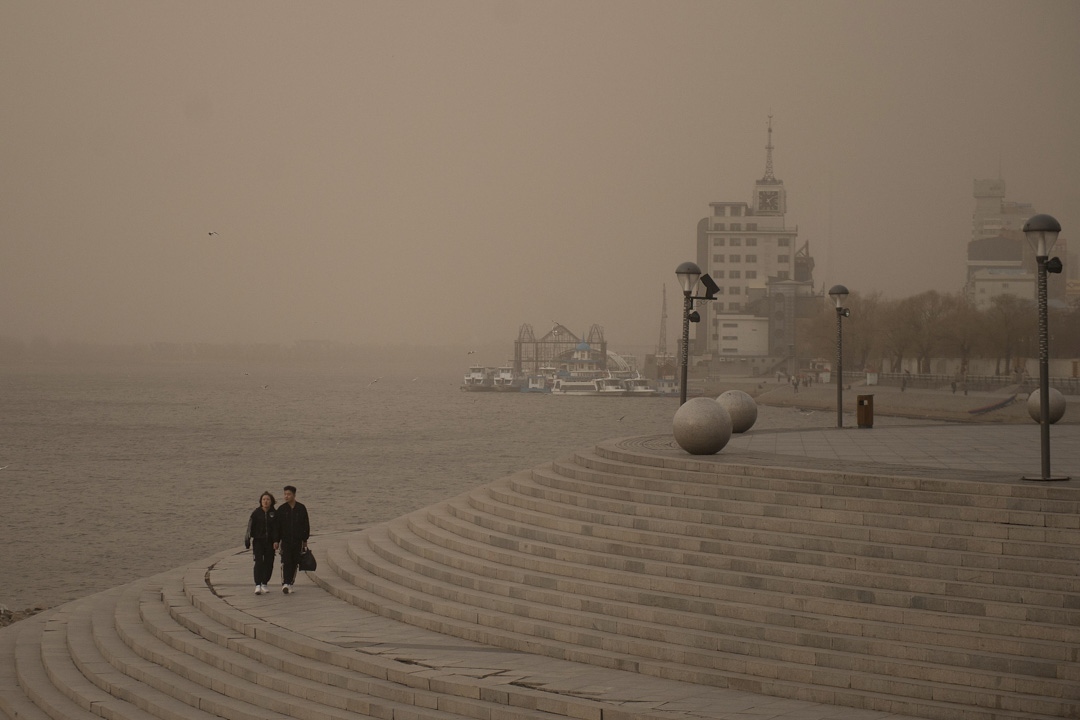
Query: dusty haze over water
x: 441, y: 172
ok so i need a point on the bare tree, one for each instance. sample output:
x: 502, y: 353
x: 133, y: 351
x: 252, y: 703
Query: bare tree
x: 1009, y: 328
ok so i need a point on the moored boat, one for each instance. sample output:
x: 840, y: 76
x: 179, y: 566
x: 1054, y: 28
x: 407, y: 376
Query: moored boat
x: 479, y: 379
x: 505, y: 380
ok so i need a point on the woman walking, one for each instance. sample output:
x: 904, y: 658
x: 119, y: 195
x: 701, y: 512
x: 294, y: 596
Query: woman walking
x: 261, y: 536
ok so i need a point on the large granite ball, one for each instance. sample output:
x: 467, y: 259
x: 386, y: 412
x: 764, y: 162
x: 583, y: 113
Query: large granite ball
x: 741, y: 407
x: 702, y: 426
x: 1057, y: 406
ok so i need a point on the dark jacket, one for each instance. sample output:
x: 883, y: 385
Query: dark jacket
x: 293, y: 523
x: 262, y: 525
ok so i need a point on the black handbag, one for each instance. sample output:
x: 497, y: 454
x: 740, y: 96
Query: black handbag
x: 307, y: 561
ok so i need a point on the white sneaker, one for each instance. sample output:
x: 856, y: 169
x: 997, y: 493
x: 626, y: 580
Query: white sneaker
x: 265, y: 589
x: 286, y: 589
x: 258, y: 590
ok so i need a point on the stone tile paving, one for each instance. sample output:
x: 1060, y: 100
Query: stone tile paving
x: 964, y: 451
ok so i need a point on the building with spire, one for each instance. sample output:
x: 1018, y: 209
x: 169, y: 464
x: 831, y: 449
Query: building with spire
x: 755, y: 257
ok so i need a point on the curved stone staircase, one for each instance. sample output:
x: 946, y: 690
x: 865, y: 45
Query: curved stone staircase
x: 627, y: 581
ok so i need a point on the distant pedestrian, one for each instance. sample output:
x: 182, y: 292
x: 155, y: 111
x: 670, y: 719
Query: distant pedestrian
x: 795, y: 384
x: 294, y: 530
x: 261, y: 538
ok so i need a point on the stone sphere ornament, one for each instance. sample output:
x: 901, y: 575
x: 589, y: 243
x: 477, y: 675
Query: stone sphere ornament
x: 741, y: 407
x: 702, y: 426
x: 1057, y: 406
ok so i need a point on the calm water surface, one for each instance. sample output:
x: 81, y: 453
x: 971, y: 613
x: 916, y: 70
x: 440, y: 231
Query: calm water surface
x: 111, y: 473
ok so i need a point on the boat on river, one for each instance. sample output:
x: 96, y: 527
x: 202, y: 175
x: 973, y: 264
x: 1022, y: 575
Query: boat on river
x: 479, y: 379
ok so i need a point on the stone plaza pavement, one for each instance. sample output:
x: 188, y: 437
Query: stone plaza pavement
x: 992, y: 453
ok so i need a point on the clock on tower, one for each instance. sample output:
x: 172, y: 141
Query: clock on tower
x: 768, y: 201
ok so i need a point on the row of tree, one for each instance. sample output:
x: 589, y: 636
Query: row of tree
x: 934, y: 324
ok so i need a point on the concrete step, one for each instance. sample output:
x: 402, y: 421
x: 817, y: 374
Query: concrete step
x: 815, y: 580
x: 333, y: 684
x: 602, y: 637
x: 651, y: 615
x: 866, y: 546
x: 34, y: 677
x: 745, y: 612
x: 14, y: 703
x: 431, y: 680
x: 717, y: 582
x: 1057, y: 499
x: 964, y: 520
x: 965, y: 572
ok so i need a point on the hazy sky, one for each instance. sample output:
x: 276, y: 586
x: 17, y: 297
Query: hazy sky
x: 442, y: 172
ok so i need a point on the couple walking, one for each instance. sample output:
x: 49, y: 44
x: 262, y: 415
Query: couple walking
x: 271, y: 529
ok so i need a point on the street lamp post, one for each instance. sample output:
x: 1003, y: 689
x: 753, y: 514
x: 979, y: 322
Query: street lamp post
x: 839, y: 293
x: 689, y: 273
x: 1041, y: 232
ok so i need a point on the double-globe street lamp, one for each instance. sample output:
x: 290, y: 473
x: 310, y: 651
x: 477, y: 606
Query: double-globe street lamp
x: 689, y: 274
x: 839, y: 293
x: 1041, y: 232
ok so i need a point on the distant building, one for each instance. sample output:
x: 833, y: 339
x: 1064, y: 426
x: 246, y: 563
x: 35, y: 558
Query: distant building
x: 754, y: 256
x: 999, y: 261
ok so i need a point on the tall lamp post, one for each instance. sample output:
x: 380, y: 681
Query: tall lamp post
x: 839, y: 293
x: 689, y: 273
x: 1041, y: 232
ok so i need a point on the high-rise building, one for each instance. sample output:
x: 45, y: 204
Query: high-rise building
x: 753, y: 256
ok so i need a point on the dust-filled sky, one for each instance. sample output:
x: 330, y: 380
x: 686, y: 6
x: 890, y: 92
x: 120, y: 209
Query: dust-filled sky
x: 442, y: 172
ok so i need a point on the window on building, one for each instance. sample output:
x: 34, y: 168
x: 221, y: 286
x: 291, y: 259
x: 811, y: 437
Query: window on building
x: 736, y: 211
x: 782, y: 275
x: 751, y: 226
x: 751, y: 258
x: 751, y: 242
x: 751, y: 274
x: 734, y: 275
x: 718, y: 211
x: 734, y: 258
x: 718, y: 242
x: 732, y: 325
x: 717, y: 258
x: 736, y: 227
x: 718, y: 226
x: 730, y: 351
x: 718, y: 274
x: 733, y: 306
x: 736, y: 290
x: 783, y: 259
x: 736, y: 242
x: 783, y: 242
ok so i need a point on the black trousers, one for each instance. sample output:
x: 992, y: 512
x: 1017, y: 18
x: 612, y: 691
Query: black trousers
x: 290, y: 560
x: 264, y: 560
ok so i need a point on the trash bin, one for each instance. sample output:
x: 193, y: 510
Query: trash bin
x: 864, y: 411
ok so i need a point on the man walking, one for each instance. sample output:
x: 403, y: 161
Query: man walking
x: 294, y: 530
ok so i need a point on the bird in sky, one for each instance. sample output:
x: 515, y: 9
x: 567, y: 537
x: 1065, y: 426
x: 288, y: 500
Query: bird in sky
x: 374, y: 381
x: 211, y: 233
x: 471, y: 352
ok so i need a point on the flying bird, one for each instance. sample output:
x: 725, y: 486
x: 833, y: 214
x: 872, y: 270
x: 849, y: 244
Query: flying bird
x: 211, y: 233
x: 374, y: 381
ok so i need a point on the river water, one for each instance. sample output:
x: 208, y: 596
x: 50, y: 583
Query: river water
x: 111, y: 472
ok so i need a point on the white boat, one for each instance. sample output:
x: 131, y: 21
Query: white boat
x: 536, y: 384
x: 610, y: 387
x: 506, y: 381
x: 639, y: 387
x: 479, y: 379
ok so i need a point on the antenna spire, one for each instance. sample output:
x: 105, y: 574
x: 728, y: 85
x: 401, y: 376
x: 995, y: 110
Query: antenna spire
x: 769, y: 177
